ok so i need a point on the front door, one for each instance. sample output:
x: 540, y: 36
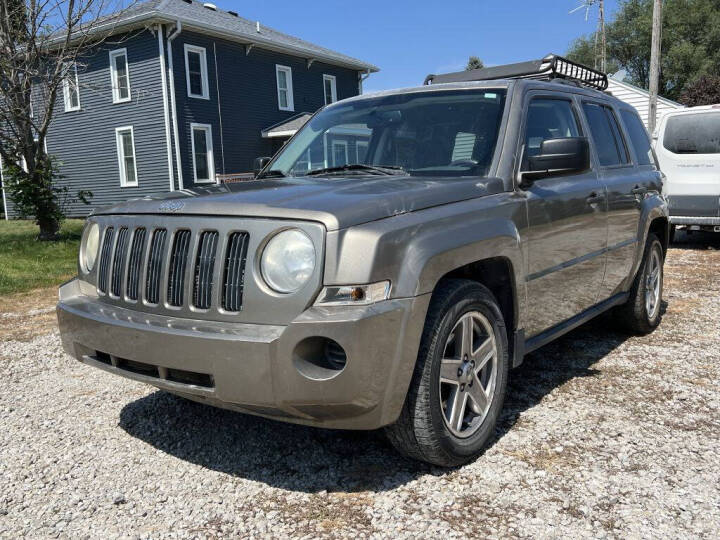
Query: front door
x: 567, y: 225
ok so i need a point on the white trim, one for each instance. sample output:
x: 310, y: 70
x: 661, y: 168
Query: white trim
x: 66, y: 91
x: 2, y: 185
x: 333, y: 88
x: 114, y: 76
x: 289, y: 87
x: 171, y: 76
x: 207, y: 128
x: 203, y: 71
x: 220, y: 118
x: 121, y: 156
x: 344, y: 144
x: 166, y: 106
x: 358, y: 144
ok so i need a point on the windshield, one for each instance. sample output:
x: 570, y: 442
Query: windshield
x: 438, y: 133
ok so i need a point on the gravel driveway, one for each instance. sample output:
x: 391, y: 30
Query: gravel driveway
x: 603, y: 435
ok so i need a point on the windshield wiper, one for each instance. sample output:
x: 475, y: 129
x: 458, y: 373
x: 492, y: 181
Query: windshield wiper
x: 375, y: 169
x: 272, y: 174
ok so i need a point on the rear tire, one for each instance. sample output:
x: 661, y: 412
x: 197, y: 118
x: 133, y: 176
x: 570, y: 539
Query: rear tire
x: 460, y: 379
x: 671, y: 239
x: 641, y: 313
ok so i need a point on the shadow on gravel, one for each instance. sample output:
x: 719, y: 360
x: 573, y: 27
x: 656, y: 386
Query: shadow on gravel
x: 309, y: 460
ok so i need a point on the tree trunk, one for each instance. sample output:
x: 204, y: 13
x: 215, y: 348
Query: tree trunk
x: 49, y: 229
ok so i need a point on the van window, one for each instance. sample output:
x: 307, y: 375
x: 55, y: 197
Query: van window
x: 638, y: 137
x: 606, y: 135
x: 693, y: 134
x: 548, y: 119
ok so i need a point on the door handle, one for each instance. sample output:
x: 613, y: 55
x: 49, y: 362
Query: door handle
x: 594, y: 198
x: 639, y: 190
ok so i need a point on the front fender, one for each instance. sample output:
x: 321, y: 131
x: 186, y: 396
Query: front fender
x: 414, y: 251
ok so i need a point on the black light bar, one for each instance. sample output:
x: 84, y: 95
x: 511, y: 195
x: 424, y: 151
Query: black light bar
x: 549, y: 68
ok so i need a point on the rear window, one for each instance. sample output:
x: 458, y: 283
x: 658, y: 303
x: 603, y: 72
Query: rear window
x: 638, y: 137
x: 606, y: 135
x: 693, y: 134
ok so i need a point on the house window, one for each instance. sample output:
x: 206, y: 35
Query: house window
x: 361, y: 149
x: 119, y: 76
x: 330, y: 87
x: 202, y: 152
x: 196, y: 72
x: 71, y: 88
x: 126, y: 156
x: 340, y: 153
x: 284, y: 88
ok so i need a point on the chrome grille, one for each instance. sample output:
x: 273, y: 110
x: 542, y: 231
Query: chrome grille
x: 204, y: 270
x: 135, y: 264
x: 155, y: 266
x: 118, y: 266
x: 193, y: 267
x: 178, y: 265
x: 234, y: 272
x: 105, y: 256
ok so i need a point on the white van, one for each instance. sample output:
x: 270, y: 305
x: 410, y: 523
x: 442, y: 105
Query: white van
x: 687, y: 144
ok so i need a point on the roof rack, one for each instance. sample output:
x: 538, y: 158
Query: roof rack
x: 548, y: 68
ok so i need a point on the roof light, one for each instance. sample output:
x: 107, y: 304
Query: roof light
x: 208, y: 5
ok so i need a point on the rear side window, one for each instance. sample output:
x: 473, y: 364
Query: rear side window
x: 606, y: 135
x: 693, y: 134
x: 548, y: 119
x: 638, y: 137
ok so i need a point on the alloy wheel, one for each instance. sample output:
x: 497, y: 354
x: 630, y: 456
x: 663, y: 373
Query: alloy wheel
x: 653, y: 280
x: 468, y: 374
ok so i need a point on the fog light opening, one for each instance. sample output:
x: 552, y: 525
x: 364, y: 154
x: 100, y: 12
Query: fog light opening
x: 319, y: 358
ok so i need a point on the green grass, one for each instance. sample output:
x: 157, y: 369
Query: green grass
x: 27, y: 264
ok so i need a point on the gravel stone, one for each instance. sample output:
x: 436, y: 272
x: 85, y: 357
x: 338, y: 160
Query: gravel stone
x: 602, y: 436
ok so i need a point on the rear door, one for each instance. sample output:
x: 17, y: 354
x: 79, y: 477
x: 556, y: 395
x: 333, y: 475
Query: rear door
x: 626, y: 186
x: 567, y: 218
x: 689, y: 152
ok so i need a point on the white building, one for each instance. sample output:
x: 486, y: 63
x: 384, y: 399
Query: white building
x: 639, y: 98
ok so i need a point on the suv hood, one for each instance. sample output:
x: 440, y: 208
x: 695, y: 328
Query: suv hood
x: 337, y: 202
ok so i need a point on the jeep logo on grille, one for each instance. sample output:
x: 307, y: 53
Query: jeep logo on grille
x: 172, y: 206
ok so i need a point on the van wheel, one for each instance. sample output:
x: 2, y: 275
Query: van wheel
x: 641, y: 313
x: 671, y: 239
x: 460, y: 378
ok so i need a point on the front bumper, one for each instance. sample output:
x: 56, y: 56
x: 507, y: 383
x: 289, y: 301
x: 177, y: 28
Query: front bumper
x: 253, y: 368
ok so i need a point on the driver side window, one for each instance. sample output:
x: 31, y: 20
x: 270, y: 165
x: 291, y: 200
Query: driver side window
x: 548, y: 119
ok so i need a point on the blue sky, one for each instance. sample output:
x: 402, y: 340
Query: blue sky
x: 407, y: 40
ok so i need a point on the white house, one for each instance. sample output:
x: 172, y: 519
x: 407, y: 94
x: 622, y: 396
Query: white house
x: 639, y: 98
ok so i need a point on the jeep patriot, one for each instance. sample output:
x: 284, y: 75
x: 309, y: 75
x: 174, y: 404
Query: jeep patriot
x: 391, y: 264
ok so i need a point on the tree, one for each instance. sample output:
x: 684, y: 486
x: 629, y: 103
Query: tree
x: 474, y: 63
x: 42, y: 43
x: 690, y: 42
x: 582, y: 50
x: 703, y: 91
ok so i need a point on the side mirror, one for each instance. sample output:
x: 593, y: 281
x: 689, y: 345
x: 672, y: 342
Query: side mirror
x: 559, y: 156
x: 259, y: 164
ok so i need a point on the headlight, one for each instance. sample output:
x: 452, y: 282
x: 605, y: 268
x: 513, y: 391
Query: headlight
x: 288, y: 261
x: 89, y: 247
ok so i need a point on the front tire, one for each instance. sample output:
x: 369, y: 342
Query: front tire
x: 460, y: 378
x: 642, y: 312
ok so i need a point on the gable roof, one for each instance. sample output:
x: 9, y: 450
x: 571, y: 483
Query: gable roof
x: 224, y: 24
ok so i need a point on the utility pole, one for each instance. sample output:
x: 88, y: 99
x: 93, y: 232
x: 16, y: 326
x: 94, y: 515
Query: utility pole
x: 603, y: 40
x: 655, y: 64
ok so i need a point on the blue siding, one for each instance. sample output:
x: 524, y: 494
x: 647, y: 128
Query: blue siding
x: 84, y: 140
x: 248, y: 99
x: 243, y: 94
